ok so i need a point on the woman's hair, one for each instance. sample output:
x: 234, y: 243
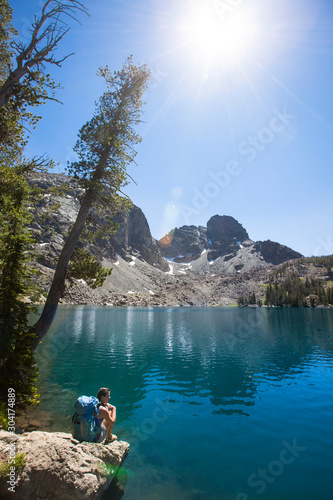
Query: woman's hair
x: 104, y: 391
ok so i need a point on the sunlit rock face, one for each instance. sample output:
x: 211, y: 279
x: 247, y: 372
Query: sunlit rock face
x: 133, y: 238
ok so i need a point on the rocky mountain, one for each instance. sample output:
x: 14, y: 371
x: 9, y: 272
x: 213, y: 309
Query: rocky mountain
x: 191, y: 265
x: 133, y: 238
x: 275, y: 253
x: 223, y: 238
x: 184, y: 244
x: 224, y: 234
x: 58, y: 212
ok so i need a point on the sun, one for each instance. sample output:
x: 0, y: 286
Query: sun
x: 216, y: 38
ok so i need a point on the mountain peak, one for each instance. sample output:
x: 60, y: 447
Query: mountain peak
x: 223, y: 237
x: 224, y: 233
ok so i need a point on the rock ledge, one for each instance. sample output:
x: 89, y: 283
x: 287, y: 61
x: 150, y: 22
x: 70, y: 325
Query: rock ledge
x: 59, y: 467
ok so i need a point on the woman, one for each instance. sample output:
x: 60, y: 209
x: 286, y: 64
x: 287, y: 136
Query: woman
x: 106, y: 415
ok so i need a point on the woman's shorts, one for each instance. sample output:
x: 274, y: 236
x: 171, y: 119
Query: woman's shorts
x: 102, y: 435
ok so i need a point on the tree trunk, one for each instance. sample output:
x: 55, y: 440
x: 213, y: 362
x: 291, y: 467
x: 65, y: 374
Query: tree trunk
x: 42, y: 326
x: 6, y: 90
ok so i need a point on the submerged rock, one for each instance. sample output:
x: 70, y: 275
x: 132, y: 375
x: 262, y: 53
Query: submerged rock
x: 59, y: 467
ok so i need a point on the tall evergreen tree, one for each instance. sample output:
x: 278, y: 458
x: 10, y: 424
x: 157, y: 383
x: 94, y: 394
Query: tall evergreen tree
x: 17, y: 367
x: 23, y: 84
x: 105, y: 148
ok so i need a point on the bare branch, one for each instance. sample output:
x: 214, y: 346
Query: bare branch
x: 46, y: 33
x: 128, y: 175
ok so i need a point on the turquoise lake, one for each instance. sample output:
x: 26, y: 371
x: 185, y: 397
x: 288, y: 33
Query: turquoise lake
x: 217, y: 403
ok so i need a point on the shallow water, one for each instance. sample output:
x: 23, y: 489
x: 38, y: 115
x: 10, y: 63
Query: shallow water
x: 217, y: 403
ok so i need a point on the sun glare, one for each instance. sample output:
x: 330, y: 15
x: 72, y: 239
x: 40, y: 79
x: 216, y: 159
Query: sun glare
x: 219, y: 38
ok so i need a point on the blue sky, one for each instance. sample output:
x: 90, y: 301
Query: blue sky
x: 238, y: 118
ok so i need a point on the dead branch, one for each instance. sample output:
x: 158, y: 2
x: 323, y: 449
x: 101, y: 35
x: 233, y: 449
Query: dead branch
x: 46, y: 33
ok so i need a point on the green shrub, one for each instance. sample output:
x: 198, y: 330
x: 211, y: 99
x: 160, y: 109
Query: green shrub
x: 19, y: 463
x: 3, y: 416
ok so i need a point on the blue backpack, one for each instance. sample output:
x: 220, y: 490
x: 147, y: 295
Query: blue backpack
x: 85, y: 425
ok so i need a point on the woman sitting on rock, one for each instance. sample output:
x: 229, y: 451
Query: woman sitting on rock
x: 107, y: 416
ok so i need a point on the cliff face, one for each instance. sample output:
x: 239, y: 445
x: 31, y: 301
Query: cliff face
x: 275, y: 253
x: 133, y: 238
x: 224, y: 237
x: 184, y: 244
x: 57, y: 214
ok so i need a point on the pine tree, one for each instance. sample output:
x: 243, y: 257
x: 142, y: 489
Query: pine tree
x: 23, y: 85
x: 105, y: 148
x: 17, y: 365
x: 252, y: 299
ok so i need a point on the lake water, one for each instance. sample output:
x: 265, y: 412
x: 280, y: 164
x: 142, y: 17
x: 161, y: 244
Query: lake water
x: 217, y: 403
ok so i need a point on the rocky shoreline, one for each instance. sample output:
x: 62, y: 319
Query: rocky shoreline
x: 179, y: 290
x: 57, y: 466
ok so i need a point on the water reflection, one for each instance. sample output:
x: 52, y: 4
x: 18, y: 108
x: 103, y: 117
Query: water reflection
x: 150, y: 320
x: 169, y: 334
x: 221, y: 358
x: 91, y: 324
x: 77, y: 323
x: 243, y: 380
x: 128, y: 335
